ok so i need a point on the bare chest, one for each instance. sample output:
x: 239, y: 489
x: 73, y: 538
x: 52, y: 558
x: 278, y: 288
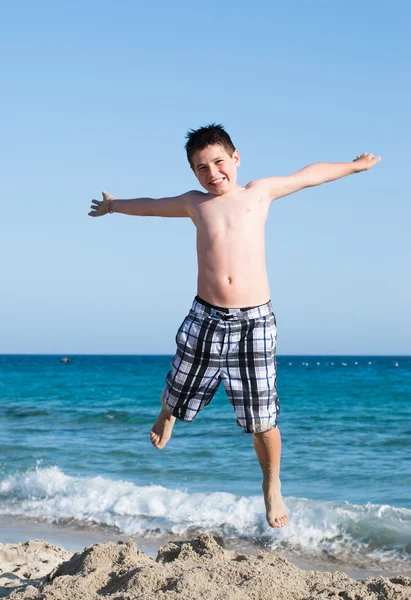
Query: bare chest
x: 233, y: 214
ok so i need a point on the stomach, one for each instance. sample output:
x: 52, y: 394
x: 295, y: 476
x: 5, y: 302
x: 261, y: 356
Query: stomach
x: 233, y: 289
x: 231, y: 267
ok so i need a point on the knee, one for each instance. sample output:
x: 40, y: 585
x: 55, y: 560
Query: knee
x: 266, y: 437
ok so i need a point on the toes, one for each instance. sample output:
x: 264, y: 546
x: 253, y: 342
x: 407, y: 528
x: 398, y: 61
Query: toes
x: 283, y: 520
x: 274, y: 523
x: 154, y: 438
x: 278, y: 522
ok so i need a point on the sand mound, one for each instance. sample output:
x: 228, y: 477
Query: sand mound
x: 198, y: 569
x: 30, y: 561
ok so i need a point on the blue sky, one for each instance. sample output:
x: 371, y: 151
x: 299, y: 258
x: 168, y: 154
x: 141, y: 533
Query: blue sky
x: 99, y: 95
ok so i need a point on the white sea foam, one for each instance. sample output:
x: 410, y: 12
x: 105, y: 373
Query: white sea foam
x: 316, y: 527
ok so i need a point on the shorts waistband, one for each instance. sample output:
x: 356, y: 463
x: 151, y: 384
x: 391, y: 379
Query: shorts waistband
x: 200, y: 306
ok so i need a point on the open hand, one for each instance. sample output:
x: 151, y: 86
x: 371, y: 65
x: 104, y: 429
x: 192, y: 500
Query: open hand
x: 100, y: 207
x: 366, y: 161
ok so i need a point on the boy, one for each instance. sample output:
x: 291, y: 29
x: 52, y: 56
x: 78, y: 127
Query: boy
x: 230, y: 332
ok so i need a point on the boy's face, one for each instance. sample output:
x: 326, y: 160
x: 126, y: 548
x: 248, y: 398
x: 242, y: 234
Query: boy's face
x: 215, y: 169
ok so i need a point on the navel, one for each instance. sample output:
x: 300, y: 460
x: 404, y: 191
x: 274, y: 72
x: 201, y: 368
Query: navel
x: 229, y: 279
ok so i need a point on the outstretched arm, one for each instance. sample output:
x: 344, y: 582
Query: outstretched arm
x: 316, y: 174
x: 177, y: 206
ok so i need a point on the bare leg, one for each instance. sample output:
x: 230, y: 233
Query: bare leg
x: 268, y: 449
x: 162, y: 428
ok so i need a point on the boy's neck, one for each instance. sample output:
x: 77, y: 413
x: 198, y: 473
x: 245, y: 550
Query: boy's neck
x: 234, y: 188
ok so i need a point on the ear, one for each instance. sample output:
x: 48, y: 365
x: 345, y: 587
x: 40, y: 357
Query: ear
x: 236, y: 158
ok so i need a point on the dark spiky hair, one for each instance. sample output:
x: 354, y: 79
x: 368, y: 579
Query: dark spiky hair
x: 198, y: 139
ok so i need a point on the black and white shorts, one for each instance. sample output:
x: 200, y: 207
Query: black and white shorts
x: 233, y: 345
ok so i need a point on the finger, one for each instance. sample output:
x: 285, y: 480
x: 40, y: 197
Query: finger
x: 97, y: 202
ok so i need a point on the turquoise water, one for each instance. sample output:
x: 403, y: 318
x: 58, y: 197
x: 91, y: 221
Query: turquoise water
x: 74, y: 446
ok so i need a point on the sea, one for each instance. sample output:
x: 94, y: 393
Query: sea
x: 75, y: 452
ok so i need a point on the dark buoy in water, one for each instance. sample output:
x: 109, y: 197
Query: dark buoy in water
x: 65, y: 360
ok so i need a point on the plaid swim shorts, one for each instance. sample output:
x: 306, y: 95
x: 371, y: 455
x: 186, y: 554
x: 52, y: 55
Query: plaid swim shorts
x: 233, y: 345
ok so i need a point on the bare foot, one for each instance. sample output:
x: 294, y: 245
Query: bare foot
x: 276, y: 511
x: 162, y: 428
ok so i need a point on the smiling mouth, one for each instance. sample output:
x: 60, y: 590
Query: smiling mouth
x: 217, y: 181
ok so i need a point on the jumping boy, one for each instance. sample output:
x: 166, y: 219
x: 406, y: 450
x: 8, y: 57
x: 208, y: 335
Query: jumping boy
x: 230, y: 332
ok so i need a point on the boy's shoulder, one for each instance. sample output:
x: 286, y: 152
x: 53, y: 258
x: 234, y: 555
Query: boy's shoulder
x: 197, y: 193
x: 257, y: 183
x: 194, y: 196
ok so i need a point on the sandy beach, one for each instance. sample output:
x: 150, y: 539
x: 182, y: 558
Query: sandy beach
x: 200, y: 568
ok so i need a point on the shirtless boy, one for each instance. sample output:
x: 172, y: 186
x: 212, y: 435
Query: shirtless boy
x: 230, y: 332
